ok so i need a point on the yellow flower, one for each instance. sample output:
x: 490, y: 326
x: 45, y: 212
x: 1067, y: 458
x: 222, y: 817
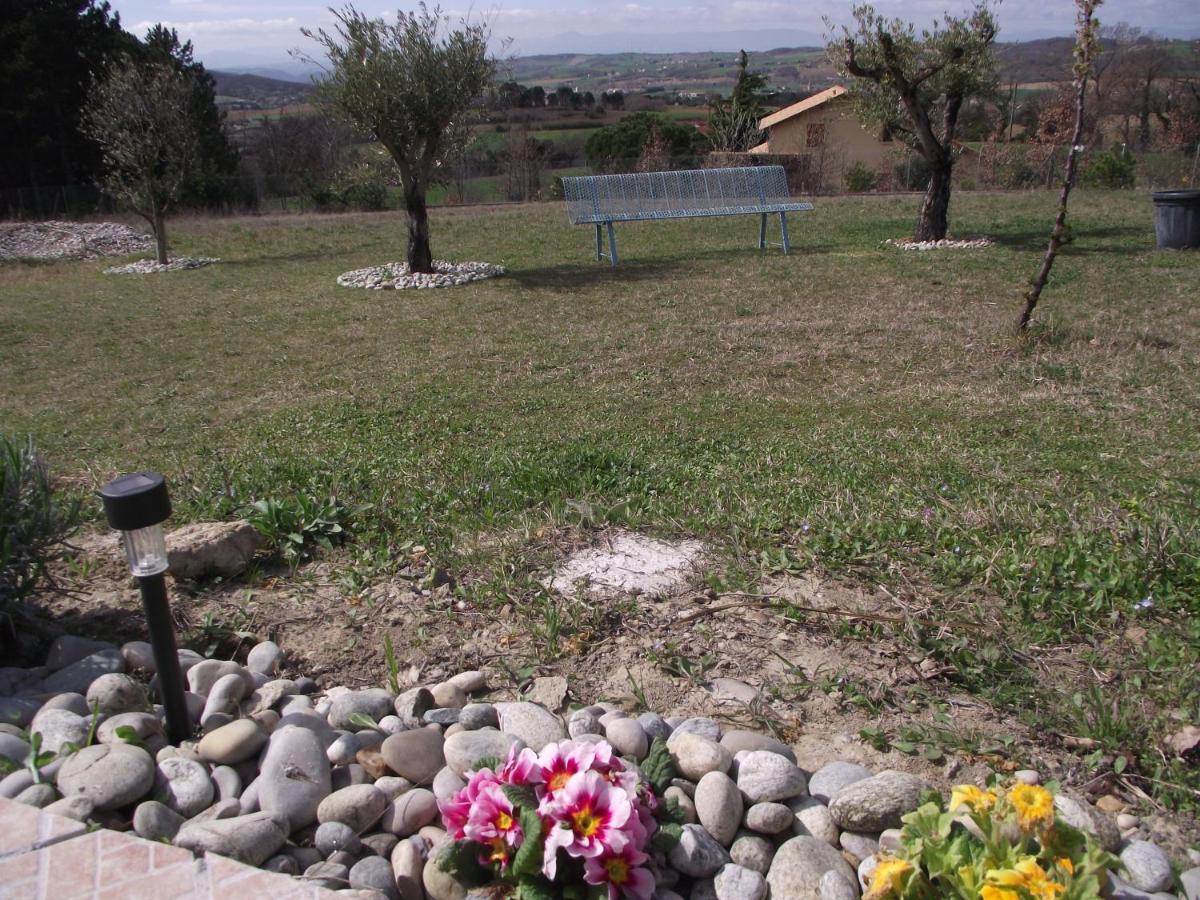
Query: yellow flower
x: 885, y: 881
x: 973, y: 797
x: 1034, y: 806
x: 1029, y: 875
x: 989, y: 892
x: 1066, y: 865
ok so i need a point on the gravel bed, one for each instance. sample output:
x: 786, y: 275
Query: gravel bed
x: 70, y: 240
x: 342, y: 786
x: 396, y: 276
x: 945, y: 244
x: 151, y: 267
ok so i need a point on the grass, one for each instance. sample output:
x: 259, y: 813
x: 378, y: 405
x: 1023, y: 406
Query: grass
x: 862, y: 411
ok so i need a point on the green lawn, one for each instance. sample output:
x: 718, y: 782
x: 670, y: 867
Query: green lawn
x: 852, y: 409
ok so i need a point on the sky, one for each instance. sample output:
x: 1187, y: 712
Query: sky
x: 230, y: 33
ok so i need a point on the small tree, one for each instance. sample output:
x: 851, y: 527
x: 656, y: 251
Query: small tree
x: 138, y: 115
x: 408, y: 85
x: 733, y: 123
x: 914, y: 87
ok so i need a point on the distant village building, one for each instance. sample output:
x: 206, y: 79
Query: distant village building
x: 824, y: 128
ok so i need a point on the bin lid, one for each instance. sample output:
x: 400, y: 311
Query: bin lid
x: 1176, y: 196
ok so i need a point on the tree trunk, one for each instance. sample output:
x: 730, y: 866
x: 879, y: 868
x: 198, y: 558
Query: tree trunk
x: 935, y: 206
x: 160, y: 237
x: 420, y: 257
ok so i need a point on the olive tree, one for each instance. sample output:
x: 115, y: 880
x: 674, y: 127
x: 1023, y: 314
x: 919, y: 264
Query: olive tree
x: 913, y: 86
x: 139, y: 116
x: 410, y: 85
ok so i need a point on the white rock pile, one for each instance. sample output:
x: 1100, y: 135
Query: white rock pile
x: 151, y: 267
x: 340, y: 786
x: 944, y: 244
x: 70, y: 240
x: 396, y: 276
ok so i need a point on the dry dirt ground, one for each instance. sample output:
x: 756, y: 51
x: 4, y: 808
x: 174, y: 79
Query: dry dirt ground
x: 814, y: 681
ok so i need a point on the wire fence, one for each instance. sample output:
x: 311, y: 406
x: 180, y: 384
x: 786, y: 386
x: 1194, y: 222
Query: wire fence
x: 523, y: 178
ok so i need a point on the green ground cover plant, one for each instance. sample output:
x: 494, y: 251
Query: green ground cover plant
x: 850, y: 409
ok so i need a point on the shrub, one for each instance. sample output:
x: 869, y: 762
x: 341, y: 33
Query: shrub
x: 33, y: 522
x: 1017, y: 848
x: 912, y: 174
x: 294, y: 526
x: 860, y: 179
x: 1112, y: 169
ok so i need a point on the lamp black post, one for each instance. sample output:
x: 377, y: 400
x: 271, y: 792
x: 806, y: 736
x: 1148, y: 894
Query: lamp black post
x: 137, y: 505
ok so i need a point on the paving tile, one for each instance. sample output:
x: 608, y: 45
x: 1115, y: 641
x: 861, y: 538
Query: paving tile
x: 23, y: 828
x: 231, y: 880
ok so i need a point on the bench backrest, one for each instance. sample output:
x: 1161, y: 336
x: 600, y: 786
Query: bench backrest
x: 591, y: 197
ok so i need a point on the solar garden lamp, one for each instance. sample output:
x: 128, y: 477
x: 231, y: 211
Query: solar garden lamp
x: 137, y: 505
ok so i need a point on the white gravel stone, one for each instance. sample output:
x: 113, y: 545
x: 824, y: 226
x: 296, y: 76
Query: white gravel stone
x: 153, y: 267
x: 70, y: 240
x: 944, y: 244
x: 1147, y: 866
x: 396, y: 276
x: 734, y: 882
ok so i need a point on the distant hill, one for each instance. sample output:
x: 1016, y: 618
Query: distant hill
x: 234, y: 88
x: 1048, y: 59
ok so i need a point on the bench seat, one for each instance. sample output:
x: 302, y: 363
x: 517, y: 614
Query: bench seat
x: 601, y: 200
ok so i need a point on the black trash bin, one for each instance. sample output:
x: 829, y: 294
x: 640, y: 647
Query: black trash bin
x: 1177, y: 219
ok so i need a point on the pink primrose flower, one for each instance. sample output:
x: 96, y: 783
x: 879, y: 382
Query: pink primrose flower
x: 521, y: 767
x: 588, y: 817
x: 456, y: 811
x: 622, y: 871
x: 492, y: 823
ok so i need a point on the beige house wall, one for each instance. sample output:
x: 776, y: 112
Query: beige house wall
x: 846, y: 141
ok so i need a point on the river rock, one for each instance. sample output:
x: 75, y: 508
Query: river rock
x: 878, y: 802
x: 250, y: 839
x: 374, y: 874
x: 812, y: 818
x: 265, y: 657
x: 462, y: 750
x: 834, y: 886
x: 68, y: 649
x: 416, y: 755
x: 184, y: 786
x: 78, y: 808
x: 373, y: 702
x: 72, y: 702
x: 628, y: 738
x: 472, y: 681
x: 752, y: 852
x: 58, y: 727
x: 333, y: 836
x: 769, y: 818
x: 799, y: 866
x: 764, y: 776
x: 409, y: 812
x: 294, y: 777
x: 78, y: 676
x: 695, y: 756
x: 109, y: 775
x: 13, y: 748
x: 18, y: 711
x: 584, y: 721
x: 738, y: 740
x: 223, y: 697
x: 478, y: 715
x: 1147, y: 867
x: 734, y: 882
x: 117, y: 693
x: 441, y: 885
x: 144, y: 726
x: 407, y: 863
x: 446, y: 783
x: 719, y: 806
x: 698, y: 854
x: 233, y: 743
x: 825, y: 783
x: 139, y: 657
x: 203, y: 675
x: 531, y: 723
x: 449, y: 695
x: 358, y: 806
x: 38, y: 795
x: 310, y: 720
x: 1079, y: 814
x: 204, y: 549
x: 156, y: 821
x: 412, y: 705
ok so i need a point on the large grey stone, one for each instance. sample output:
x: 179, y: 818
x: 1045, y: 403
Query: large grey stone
x: 358, y: 806
x: 409, y: 813
x: 184, y: 786
x: 533, y: 724
x: 265, y: 657
x: 156, y: 821
x: 294, y: 777
x: 407, y: 863
x: 116, y: 693
x: 1147, y: 867
x: 143, y: 724
x: 769, y: 818
x: 464, y: 749
x: 695, y: 756
x: 412, y: 705
x: 628, y: 738
x: 233, y: 743
x: 373, y: 702
x: 333, y: 836
x: 719, y: 806
x: 310, y: 720
x: 250, y: 839
x: 203, y: 675
x: 68, y: 649
x: 698, y: 854
x: 812, y: 818
x: 825, y: 783
x: 374, y: 874
x: 878, y: 802
x: 58, y: 727
x: 738, y: 740
x: 78, y: 676
x: 212, y: 548
x: 109, y: 775
x: 417, y: 755
x: 752, y: 852
x: 834, y: 886
x: 800, y: 864
x: 734, y: 882
x: 223, y: 698
x: 139, y: 656
x: 764, y: 776
x: 13, y: 748
x: 18, y: 711
x: 1082, y: 815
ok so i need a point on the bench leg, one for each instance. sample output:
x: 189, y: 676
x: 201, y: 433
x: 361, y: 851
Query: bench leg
x: 612, y: 244
x: 783, y: 228
x: 762, y: 233
x: 599, y: 243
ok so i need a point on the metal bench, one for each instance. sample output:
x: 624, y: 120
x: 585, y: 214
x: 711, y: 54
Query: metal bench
x: 601, y: 200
